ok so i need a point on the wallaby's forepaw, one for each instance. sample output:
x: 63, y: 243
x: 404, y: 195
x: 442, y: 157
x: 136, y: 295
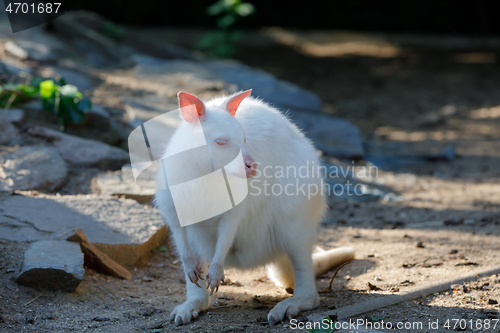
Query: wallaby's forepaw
x: 193, y: 270
x: 183, y: 314
x: 290, y: 308
x: 215, y: 276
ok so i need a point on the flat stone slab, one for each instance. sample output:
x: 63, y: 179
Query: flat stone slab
x: 123, y: 229
x: 82, y: 151
x: 52, y: 265
x: 32, y: 168
x: 182, y: 74
x: 283, y: 94
x: 82, y: 82
x: 122, y: 183
x: 36, y: 46
x: 204, y: 75
x: 9, y: 135
x: 15, y: 116
x: 9, y: 67
x: 334, y: 136
x: 140, y: 110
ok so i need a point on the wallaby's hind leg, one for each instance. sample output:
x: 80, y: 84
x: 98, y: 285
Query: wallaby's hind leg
x: 197, y: 300
x: 281, y: 273
x: 305, y: 295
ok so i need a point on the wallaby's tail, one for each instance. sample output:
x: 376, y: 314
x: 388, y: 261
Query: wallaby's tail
x: 325, y: 260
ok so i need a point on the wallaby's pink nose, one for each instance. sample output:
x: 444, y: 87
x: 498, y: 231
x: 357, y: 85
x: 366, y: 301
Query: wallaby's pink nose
x: 250, y: 167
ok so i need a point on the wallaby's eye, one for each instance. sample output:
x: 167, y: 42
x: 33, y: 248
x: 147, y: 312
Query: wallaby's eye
x: 221, y: 142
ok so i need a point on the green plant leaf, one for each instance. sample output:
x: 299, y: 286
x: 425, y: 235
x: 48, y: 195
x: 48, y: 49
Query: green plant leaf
x: 244, y: 9
x: 112, y: 30
x: 27, y: 90
x: 161, y: 248
x: 48, y: 104
x: 68, y: 111
x: 216, y: 9
x: 47, y: 89
x: 69, y: 90
x: 226, y: 21
x: 84, y: 105
x: 35, y: 82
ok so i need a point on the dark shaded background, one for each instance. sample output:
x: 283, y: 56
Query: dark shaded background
x: 439, y: 16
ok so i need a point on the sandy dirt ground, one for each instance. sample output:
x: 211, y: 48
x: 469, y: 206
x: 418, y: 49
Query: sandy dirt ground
x: 446, y: 223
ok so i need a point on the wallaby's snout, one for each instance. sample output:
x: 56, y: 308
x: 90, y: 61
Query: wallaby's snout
x: 250, y: 166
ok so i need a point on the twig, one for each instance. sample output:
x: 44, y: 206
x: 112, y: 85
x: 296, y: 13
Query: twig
x: 172, y: 265
x: 9, y: 103
x: 413, y: 293
x: 107, y: 292
x: 34, y: 299
x: 329, y: 289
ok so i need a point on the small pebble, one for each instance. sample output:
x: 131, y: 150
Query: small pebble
x: 420, y: 245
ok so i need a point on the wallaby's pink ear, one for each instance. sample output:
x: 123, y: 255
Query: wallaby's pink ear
x: 191, y: 107
x: 233, y: 103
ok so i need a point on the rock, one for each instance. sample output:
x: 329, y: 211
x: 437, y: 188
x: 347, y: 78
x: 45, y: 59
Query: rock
x: 144, y: 59
x: 216, y: 75
x: 183, y: 75
x: 123, y: 229
x: 432, y: 263
x: 282, y: 94
x: 84, y: 152
x: 32, y: 168
x: 14, y: 68
x: 332, y: 135
x: 72, y: 235
x: 94, y: 258
x: 24, y: 50
x: 34, y: 104
x: 81, y: 81
x: 140, y: 110
x: 99, y: 261
x: 15, y: 116
x: 122, y: 183
x: 98, y: 117
x: 8, y: 133
x: 52, y: 265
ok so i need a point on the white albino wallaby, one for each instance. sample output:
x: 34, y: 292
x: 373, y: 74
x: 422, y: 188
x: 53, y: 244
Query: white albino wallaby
x: 269, y: 227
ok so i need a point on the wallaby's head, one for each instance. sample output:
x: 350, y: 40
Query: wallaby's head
x: 221, y: 129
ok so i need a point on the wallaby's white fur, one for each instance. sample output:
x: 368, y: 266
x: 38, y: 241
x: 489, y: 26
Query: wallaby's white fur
x: 278, y: 231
